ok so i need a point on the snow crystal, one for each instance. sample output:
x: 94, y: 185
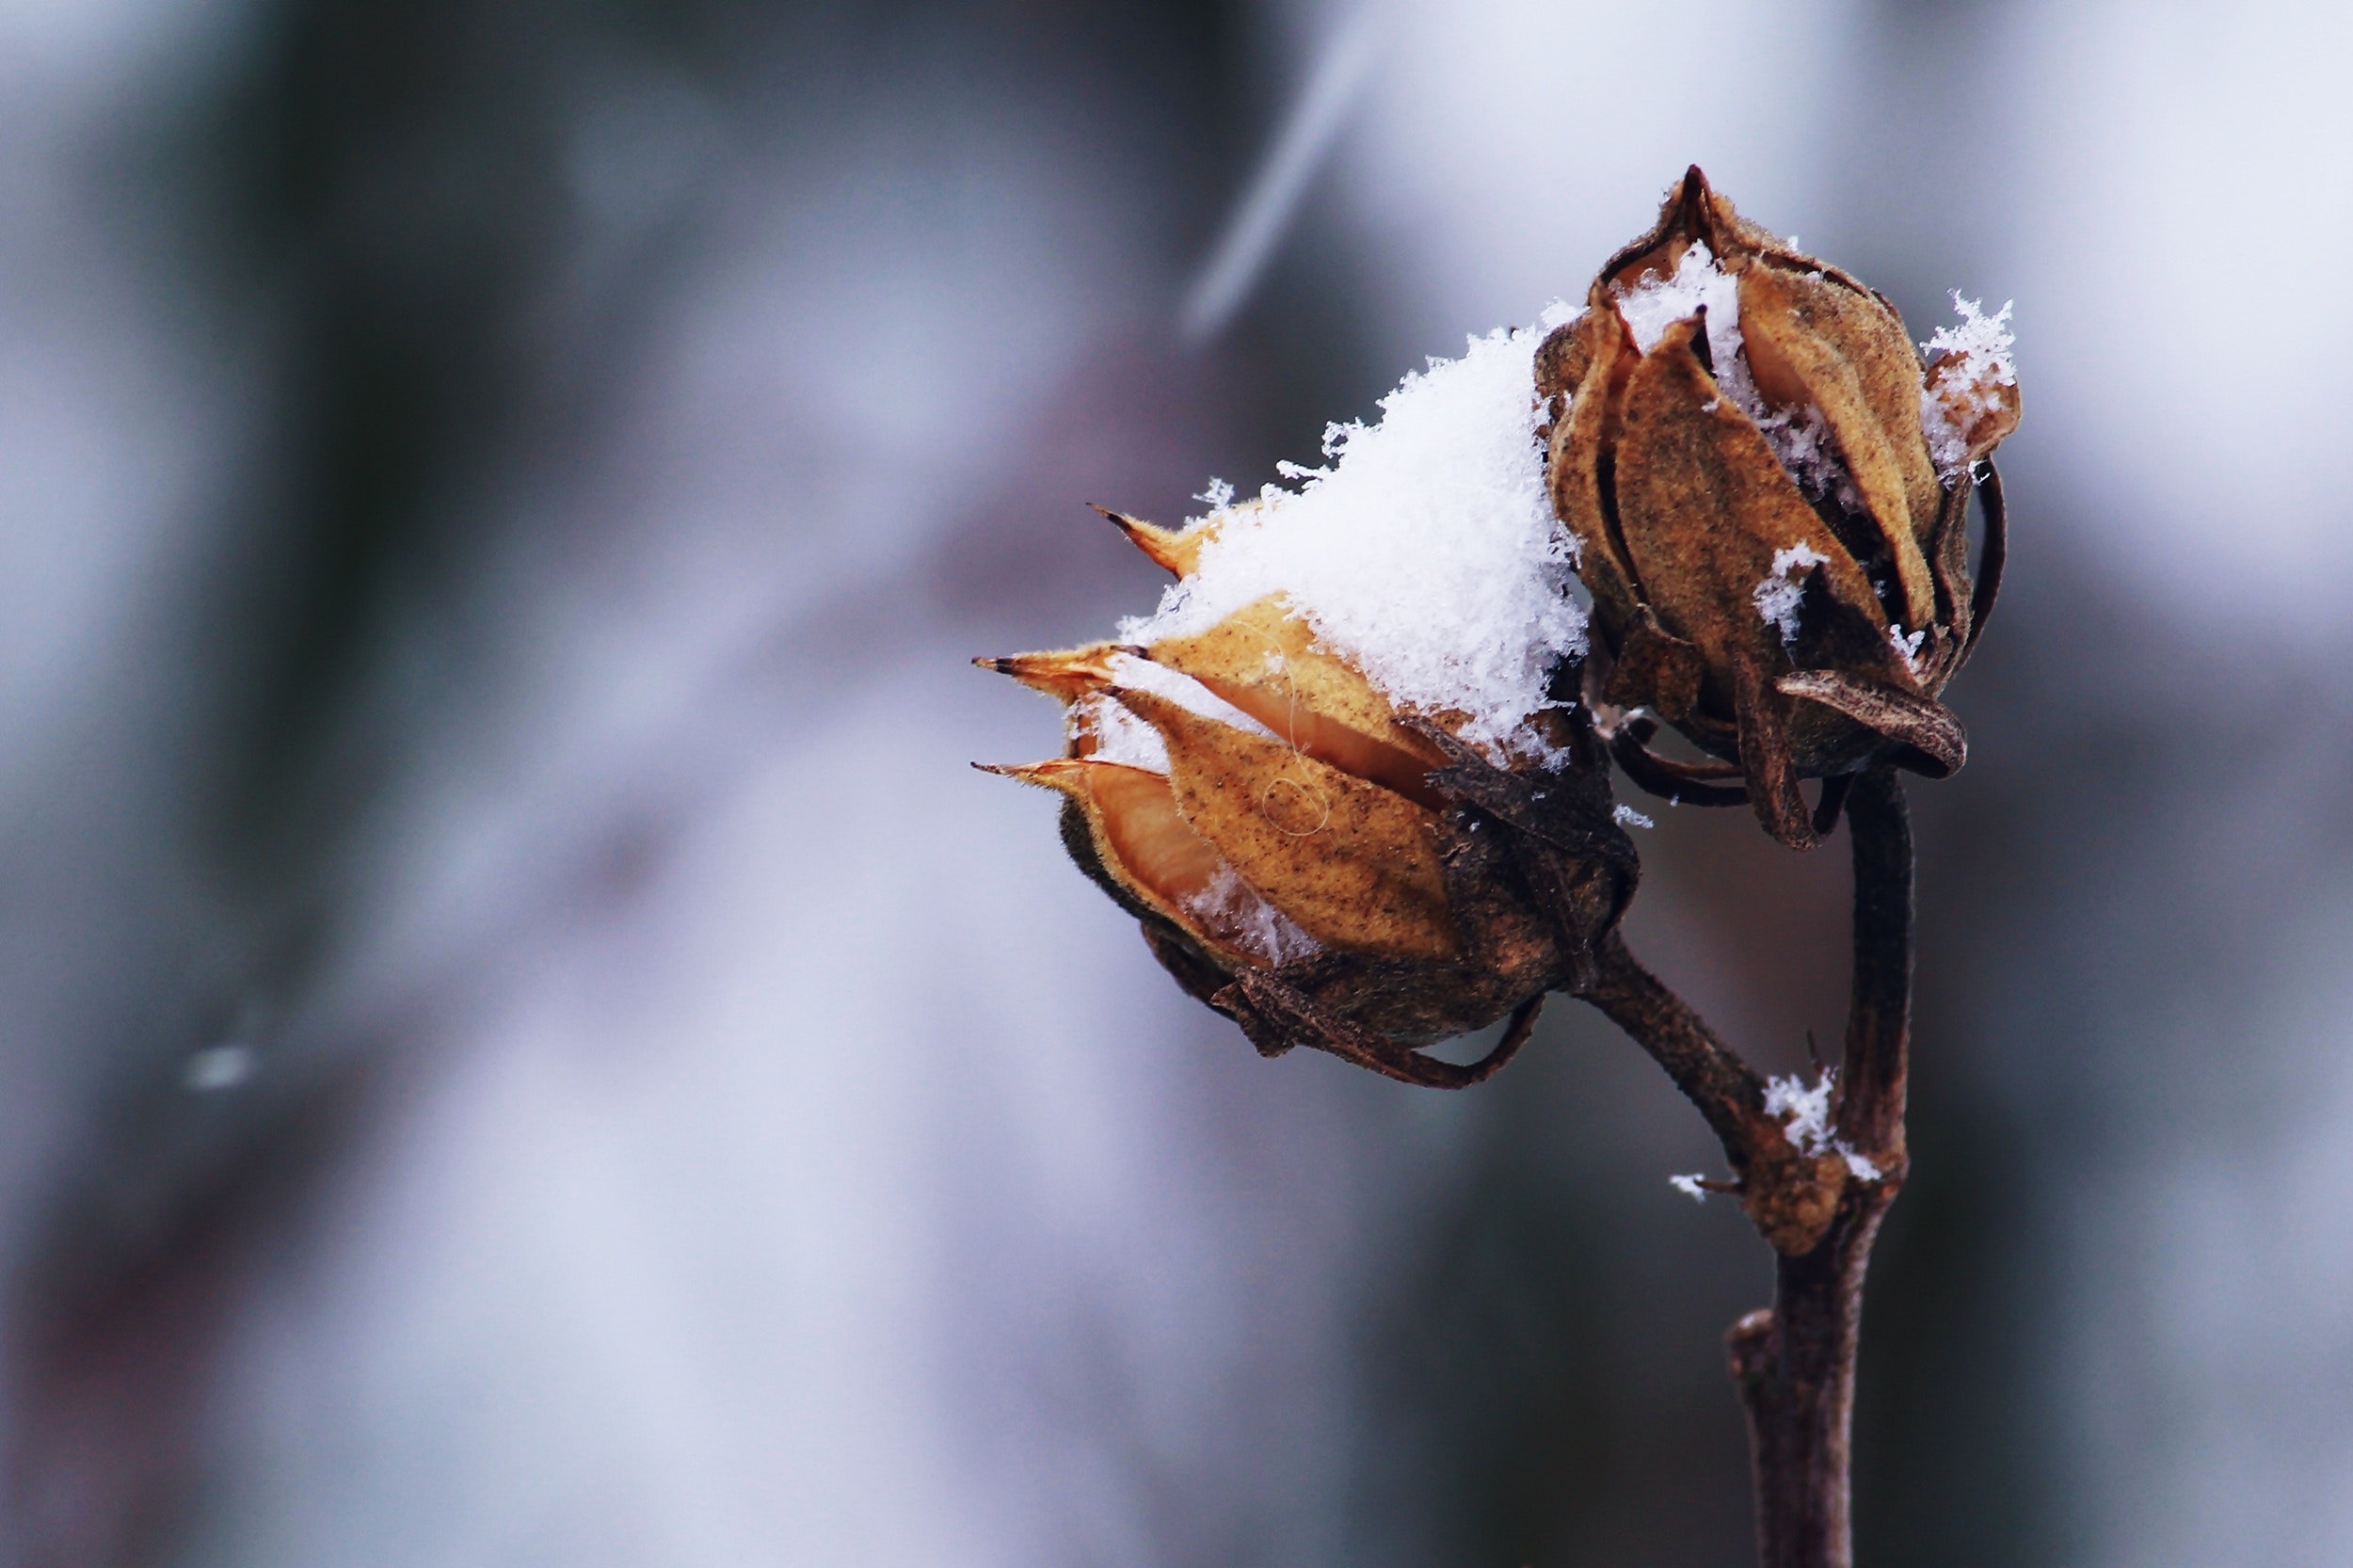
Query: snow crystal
x: 1425, y: 551
x: 1119, y: 736
x: 1908, y: 644
x: 1798, y: 437
x: 1781, y: 591
x: 1690, y: 1187
x: 1233, y: 908
x: 1656, y: 302
x: 1966, y: 390
x: 1804, y: 1112
x: 1628, y: 816
x: 1219, y: 496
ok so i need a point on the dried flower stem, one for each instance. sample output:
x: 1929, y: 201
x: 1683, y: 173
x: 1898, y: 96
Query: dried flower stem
x: 1726, y: 1089
x: 1794, y: 1362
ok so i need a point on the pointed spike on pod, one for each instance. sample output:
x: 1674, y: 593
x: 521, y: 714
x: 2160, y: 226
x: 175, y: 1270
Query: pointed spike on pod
x: 1683, y: 215
x: 1042, y: 774
x: 1067, y: 674
x: 1176, y: 550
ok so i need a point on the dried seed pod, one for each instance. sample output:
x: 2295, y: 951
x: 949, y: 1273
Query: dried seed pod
x: 1769, y: 489
x: 1337, y: 775
x: 1306, y: 858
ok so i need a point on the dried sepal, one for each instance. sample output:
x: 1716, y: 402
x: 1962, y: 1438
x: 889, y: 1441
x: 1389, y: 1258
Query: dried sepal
x: 1264, y: 661
x: 1276, y: 1015
x: 1351, y: 863
x: 1692, y: 211
x: 1815, y: 342
x: 1654, y: 669
x: 1146, y: 852
x: 1706, y: 508
x: 1937, y: 742
x: 1177, y: 550
x: 1582, y: 442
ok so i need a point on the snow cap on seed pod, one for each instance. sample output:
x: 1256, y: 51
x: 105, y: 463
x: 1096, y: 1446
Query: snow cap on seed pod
x: 1332, y: 775
x: 1768, y: 488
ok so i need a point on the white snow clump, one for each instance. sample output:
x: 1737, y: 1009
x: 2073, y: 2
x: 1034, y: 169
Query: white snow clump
x: 1803, y: 1112
x: 1425, y: 551
x: 1119, y: 736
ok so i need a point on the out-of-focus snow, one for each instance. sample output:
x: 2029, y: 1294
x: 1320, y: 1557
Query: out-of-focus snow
x: 1506, y: 150
x: 2217, y: 487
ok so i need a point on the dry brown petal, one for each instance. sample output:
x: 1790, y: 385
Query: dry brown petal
x: 1142, y: 841
x: 1580, y: 443
x: 1810, y: 340
x: 1263, y: 660
x: 1703, y: 507
x: 1982, y: 425
x: 1354, y: 865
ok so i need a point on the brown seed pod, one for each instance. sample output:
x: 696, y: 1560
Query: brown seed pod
x: 1770, y: 492
x: 1324, y: 869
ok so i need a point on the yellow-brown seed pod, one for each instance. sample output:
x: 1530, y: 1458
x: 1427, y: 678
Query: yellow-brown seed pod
x: 1771, y: 511
x: 1301, y: 856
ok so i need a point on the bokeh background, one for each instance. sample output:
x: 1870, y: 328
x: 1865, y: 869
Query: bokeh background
x: 522, y: 1042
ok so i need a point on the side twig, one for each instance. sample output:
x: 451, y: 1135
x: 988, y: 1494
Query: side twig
x: 1711, y: 1075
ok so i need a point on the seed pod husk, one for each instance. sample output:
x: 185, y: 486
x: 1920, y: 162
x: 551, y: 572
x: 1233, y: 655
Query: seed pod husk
x: 1304, y: 857
x: 1771, y: 511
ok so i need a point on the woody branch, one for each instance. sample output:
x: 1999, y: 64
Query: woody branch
x: 1794, y: 1362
